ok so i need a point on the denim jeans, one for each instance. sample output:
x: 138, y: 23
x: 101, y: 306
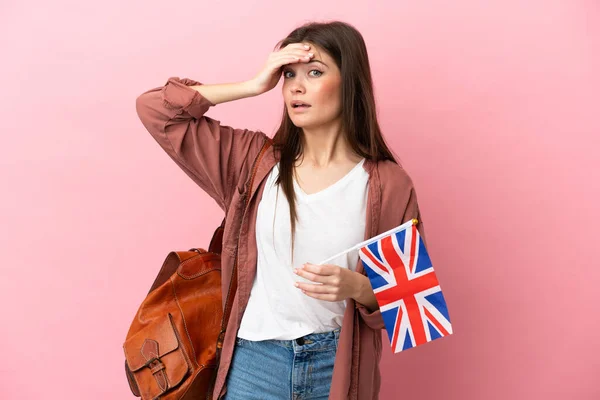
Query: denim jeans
x: 298, y: 369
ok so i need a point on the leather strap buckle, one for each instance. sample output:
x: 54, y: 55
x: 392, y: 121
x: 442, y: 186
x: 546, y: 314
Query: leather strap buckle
x: 157, y: 367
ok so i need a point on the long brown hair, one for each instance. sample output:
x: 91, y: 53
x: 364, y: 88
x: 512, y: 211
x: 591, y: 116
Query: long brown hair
x: 347, y: 47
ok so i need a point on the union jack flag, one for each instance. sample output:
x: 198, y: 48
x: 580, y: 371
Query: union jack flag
x: 406, y: 287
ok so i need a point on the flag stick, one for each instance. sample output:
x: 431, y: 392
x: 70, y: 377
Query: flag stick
x: 413, y: 221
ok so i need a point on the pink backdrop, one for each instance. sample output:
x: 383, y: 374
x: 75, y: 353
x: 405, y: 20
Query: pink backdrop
x: 492, y: 106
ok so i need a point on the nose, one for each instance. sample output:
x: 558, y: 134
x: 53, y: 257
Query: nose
x: 296, y: 86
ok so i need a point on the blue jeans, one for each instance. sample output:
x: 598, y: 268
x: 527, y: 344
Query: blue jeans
x: 298, y: 369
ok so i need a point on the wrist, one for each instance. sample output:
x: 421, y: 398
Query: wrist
x: 359, y: 286
x: 251, y: 88
x: 364, y: 293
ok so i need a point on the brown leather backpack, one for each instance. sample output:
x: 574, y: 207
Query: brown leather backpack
x: 174, y: 343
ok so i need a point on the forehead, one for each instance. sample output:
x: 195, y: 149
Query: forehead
x: 319, y: 54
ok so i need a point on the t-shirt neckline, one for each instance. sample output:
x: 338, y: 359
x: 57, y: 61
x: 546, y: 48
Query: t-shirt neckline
x: 305, y: 196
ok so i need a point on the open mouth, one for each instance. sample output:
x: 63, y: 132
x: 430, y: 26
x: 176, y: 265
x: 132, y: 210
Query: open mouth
x: 299, y: 105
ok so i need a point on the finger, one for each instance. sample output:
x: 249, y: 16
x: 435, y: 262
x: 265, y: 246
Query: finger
x: 293, y: 51
x: 280, y: 62
x: 303, y: 50
x: 314, y: 288
x: 319, y: 296
x: 305, y: 46
x: 311, y: 276
x: 295, y: 55
x: 324, y: 270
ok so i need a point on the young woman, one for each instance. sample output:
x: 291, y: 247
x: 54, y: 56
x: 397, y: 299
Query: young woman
x: 298, y: 330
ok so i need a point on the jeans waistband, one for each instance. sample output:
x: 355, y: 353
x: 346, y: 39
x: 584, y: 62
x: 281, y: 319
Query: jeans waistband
x: 310, y: 342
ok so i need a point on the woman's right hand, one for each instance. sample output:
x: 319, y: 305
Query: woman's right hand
x: 267, y: 79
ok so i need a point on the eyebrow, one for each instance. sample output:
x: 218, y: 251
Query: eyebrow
x: 316, y: 61
x: 310, y: 62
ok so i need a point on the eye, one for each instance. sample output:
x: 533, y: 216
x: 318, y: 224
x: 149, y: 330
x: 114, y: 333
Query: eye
x: 289, y: 74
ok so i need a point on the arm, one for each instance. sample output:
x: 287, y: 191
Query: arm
x: 222, y: 93
x: 213, y: 155
x: 364, y: 293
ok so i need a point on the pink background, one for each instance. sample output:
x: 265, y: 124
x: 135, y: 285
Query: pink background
x: 492, y: 106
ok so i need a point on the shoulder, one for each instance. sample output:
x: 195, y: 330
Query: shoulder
x: 394, y: 179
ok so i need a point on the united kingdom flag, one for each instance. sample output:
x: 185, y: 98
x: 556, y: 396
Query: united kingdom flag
x: 406, y: 287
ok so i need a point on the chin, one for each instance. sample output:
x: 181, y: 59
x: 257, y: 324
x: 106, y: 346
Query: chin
x: 302, y: 124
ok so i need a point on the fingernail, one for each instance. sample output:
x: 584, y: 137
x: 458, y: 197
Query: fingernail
x: 295, y: 270
x: 306, y: 46
x: 296, y: 284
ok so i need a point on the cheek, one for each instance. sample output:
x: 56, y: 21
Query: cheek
x: 329, y: 93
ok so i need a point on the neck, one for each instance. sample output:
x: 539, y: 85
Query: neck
x: 325, y: 145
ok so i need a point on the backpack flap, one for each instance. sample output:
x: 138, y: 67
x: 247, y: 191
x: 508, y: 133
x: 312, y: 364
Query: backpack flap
x: 156, y: 358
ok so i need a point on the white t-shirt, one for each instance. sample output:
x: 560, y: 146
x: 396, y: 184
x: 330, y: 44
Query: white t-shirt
x: 329, y: 222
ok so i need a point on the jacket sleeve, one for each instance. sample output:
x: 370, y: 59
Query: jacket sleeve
x: 211, y: 154
x: 374, y: 319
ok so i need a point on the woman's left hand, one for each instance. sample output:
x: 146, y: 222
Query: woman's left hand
x: 333, y: 283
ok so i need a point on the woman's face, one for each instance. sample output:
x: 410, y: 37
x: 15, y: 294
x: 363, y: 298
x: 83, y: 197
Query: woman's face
x: 316, y: 83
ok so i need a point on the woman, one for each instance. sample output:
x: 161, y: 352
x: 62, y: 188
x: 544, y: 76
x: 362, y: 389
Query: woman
x: 299, y: 330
